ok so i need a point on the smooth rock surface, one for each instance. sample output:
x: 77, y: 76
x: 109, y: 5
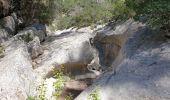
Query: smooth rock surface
x: 69, y: 47
x: 16, y: 73
x: 142, y: 69
x: 109, y: 42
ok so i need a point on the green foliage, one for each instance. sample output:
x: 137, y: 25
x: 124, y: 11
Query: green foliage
x: 41, y: 93
x: 69, y: 97
x: 27, y: 37
x: 2, y: 49
x: 94, y: 95
x: 42, y: 90
x: 65, y: 22
x: 43, y: 10
x: 82, y: 13
x: 59, y: 84
x: 30, y: 98
x: 156, y: 12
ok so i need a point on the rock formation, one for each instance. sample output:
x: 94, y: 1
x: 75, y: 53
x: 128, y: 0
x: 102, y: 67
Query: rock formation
x: 142, y: 66
x: 16, y: 71
x: 5, y: 8
x: 130, y: 61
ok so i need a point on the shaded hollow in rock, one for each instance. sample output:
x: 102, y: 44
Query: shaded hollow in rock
x: 80, y: 76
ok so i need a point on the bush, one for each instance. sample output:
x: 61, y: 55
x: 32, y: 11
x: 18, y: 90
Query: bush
x: 82, y: 13
x: 94, y: 95
x: 156, y: 12
x: 43, y: 10
x: 70, y: 13
x: 59, y: 84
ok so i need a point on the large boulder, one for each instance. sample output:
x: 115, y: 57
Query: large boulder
x: 5, y: 8
x: 109, y: 42
x: 41, y: 30
x: 70, y: 50
x: 67, y: 48
x: 142, y: 67
x: 8, y: 27
x: 29, y: 33
x: 16, y: 71
x: 32, y: 37
x: 9, y: 23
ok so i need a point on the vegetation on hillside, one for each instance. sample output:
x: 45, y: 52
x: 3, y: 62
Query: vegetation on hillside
x: 82, y: 13
x: 94, y: 95
x: 156, y: 13
x: 69, y: 13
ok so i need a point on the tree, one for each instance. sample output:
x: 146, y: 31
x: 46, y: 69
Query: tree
x: 156, y: 12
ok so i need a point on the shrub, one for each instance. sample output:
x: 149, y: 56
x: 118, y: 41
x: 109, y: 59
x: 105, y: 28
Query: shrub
x: 155, y: 12
x: 44, y: 10
x: 70, y: 13
x: 42, y: 90
x: 2, y: 49
x: 94, y: 95
x: 89, y: 12
x: 59, y: 84
x: 30, y: 98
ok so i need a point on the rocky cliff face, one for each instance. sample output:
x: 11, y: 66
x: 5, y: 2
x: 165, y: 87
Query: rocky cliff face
x: 5, y: 8
x: 134, y: 60
x: 142, y: 66
x: 16, y: 71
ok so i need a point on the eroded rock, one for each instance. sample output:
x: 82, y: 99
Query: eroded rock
x: 142, y: 68
x: 5, y: 8
x: 16, y: 71
x: 3, y: 35
x: 29, y: 33
x: 9, y: 23
x: 70, y: 47
x: 8, y: 27
x: 109, y: 42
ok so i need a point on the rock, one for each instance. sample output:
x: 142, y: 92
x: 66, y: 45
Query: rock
x: 70, y: 50
x: 75, y: 85
x: 41, y: 28
x: 2, y: 51
x: 109, y: 42
x: 5, y: 8
x: 32, y: 37
x: 35, y: 48
x: 50, y: 89
x: 3, y: 35
x: 16, y: 71
x: 9, y: 23
x: 67, y: 48
x: 142, y: 68
x: 8, y: 26
x: 29, y: 33
x: 94, y: 66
